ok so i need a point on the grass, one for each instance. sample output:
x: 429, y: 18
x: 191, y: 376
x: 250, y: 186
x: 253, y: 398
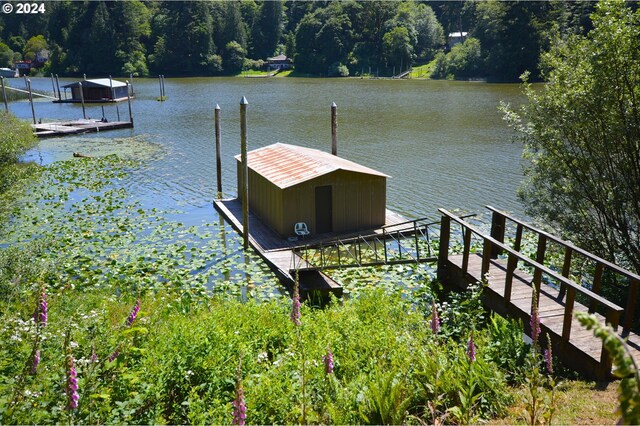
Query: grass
x: 579, y: 402
x: 423, y: 71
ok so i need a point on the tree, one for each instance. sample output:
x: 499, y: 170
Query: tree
x: 582, y: 137
x: 6, y: 55
x: 233, y: 58
x: 34, y: 46
x: 398, y: 50
x: 267, y: 29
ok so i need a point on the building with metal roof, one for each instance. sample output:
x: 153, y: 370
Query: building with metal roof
x: 289, y: 184
x: 97, y: 90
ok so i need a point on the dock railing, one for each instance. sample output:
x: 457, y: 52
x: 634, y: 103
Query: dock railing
x: 499, y: 224
x: 490, y: 244
x: 406, y: 242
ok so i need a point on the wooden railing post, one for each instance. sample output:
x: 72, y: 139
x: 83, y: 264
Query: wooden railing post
x: 512, y: 264
x: 518, y: 242
x: 466, y: 237
x: 486, y: 256
x: 443, y: 253
x: 498, y: 222
x: 537, y: 274
x: 566, y: 270
x: 629, y: 314
x: 415, y: 236
x: 568, y: 314
x: 597, y: 284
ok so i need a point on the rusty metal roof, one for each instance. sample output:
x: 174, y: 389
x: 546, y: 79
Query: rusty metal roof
x: 287, y: 165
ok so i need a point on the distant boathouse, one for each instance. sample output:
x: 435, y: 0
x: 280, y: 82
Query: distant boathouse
x: 97, y: 90
x: 289, y: 184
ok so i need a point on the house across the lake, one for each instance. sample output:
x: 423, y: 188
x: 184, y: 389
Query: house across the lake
x: 290, y: 184
x: 456, y: 38
x: 280, y: 62
x: 97, y: 90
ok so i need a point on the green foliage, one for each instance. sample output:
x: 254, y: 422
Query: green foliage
x: 6, y: 56
x: 34, y: 46
x: 581, y: 140
x: 462, y: 62
x: 625, y: 368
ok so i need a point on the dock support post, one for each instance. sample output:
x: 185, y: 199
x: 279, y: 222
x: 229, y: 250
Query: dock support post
x: 131, y: 84
x: 334, y: 129
x: 33, y: 111
x: 129, y: 103
x: 58, y: 86
x: 245, y: 171
x: 164, y: 93
x: 4, y: 95
x: 53, y: 85
x: 84, y: 114
x: 443, y: 253
x: 218, y: 155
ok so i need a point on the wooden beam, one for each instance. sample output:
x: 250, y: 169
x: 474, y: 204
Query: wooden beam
x: 218, y: 149
x: 245, y: 171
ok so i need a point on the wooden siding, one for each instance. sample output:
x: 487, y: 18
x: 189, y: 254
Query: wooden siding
x: 358, y: 201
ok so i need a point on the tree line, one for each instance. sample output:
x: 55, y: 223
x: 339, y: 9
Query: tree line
x: 326, y: 38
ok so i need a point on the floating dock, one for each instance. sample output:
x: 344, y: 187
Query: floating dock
x: 281, y: 254
x: 75, y: 127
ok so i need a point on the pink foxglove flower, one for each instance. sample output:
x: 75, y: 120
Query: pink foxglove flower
x: 548, y: 357
x: 328, y: 362
x: 471, y: 348
x: 295, y: 305
x: 535, y: 325
x: 35, y: 362
x: 72, y: 384
x: 40, y: 314
x: 133, y: 314
x: 239, y: 407
x: 435, y: 320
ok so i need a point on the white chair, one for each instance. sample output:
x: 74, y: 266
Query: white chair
x: 301, y: 229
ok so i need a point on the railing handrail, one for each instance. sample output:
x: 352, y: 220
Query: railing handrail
x: 392, y: 225
x: 542, y: 268
x: 606, y: 263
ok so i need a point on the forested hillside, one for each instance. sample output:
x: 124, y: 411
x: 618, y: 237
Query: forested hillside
x: 324, y: 38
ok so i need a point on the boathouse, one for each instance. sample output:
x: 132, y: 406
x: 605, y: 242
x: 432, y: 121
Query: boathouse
x: 98, y: 90
x: 280, y: 62
x: 290, y: 184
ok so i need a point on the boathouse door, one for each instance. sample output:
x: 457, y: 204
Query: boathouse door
x: 324, y: 209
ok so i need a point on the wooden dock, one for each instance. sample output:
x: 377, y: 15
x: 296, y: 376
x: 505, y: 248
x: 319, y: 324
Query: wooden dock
x: 510, y: 290
x: 279, y: 253
x: 75, y: 127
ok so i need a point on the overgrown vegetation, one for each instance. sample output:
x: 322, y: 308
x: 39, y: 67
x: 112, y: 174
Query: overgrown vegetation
x: 582, y: 139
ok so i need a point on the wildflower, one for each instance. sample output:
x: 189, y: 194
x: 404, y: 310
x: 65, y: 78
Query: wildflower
x: 239, y: 407
x: 328, y: 362
x: 435, y: 320
x: 94, y: 355
x: 40, y: 314
x: 113, y: 356
x: 548, y: 357
x: 133, y: 314
x: 535, y: 324
x: 295, y: 307
x: 471, y: 348
x: 72, y: 383
x: 35, y: 362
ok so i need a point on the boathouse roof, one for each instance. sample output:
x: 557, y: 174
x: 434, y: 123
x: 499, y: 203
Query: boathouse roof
x: 278, y: 58
x: 98, y: 82
x: 287, y: 165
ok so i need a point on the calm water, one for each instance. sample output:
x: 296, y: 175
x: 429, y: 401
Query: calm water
x: 443, y: 143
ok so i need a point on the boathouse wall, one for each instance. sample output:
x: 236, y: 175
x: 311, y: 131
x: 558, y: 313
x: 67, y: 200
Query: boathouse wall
x: 358, y: 201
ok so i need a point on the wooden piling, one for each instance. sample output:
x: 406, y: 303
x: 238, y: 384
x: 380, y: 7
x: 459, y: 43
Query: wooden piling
x: 58, y: 86
x: 84, y: 114
x: 131, y: 92
x: 334, y: 129
x: 245, y: 171
x: 164, y: 93
x: 53, y: 85
x: 129, y: 102
x: 4, y: 95
x: 218, y: 154
x: 33, y: 111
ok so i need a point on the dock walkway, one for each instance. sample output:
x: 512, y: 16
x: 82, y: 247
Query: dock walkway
x: 75, y: 127
x: 280, y: 253
x: 515, y: 281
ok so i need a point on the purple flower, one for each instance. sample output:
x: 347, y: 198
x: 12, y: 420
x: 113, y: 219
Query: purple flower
x: 471, y: 348
x: 94, y: 356
x: 295, y: 305
x: 328, y: 362
x: 548, y: 358
x: 35, y: 362
x: 239, y: 407
x: 113, y: 356
x: 535, y: 324
x: 435, y: 320
x: 133, y: 314
x: 40, y: 314
x: 72, y: 384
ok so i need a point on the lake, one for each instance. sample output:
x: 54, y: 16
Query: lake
x: 443, y: 143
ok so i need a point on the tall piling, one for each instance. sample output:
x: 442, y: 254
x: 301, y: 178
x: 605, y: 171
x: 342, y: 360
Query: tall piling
x: 4, y: 95
x: 84, y: 112
x: 245, y: 171
x: 334, y: 129
x: 33, y: 111
x: 218, y: 154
